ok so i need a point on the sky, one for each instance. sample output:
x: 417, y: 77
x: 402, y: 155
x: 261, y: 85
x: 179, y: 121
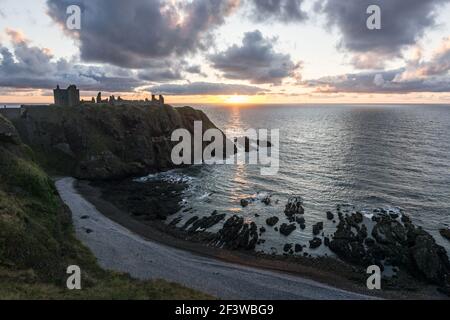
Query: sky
x: 228, y: 51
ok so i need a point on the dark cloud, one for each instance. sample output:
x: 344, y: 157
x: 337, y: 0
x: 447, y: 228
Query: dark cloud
x: 32, y: 67
x: 390, y: 81
x: 403, y: 23
x: 417, y: 76
x: 133, y: 33
x: 280, y: 10
x: 255, y: 60
x: 205, y: 88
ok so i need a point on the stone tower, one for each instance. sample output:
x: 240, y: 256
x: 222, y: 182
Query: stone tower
x: 66, y: 97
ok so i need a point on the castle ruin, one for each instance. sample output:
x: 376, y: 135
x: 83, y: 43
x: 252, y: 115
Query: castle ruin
x: 69, y: 97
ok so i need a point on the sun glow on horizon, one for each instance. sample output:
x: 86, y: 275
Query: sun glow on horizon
x: 237, y: 99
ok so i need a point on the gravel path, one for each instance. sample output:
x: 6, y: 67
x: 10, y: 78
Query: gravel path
x: 116, y: 248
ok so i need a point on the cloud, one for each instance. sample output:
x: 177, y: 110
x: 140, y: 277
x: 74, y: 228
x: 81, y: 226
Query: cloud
x: 27, y: 66
x: 280, y: 10
x: 379, y: 82
x: 255, y: 60
x: 133, y: 33
x: 403, y: 23
x: 206, y: 88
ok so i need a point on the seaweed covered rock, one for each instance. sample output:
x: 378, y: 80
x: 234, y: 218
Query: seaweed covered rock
x: 236, y: 234
x: 394, y: 241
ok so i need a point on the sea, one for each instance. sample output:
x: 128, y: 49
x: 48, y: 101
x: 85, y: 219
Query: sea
x: 370, y: 157
x: 367, y: 157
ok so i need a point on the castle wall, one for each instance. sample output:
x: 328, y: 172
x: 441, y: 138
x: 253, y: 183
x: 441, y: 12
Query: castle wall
x: 11, y: 113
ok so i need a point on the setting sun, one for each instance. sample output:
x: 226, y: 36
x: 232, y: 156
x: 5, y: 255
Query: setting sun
x: 236, y: 99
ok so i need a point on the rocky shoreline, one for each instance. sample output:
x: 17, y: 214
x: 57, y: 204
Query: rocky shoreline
x: 387, y: 239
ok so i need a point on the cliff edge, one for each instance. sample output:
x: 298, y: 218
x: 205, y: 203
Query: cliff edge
x: 97, y: 142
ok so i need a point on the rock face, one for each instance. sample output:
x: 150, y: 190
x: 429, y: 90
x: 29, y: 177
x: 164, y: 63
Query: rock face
x: 236, y: 234
x: 393, y: 241
x: 294, y: 206
x: 96, y: 142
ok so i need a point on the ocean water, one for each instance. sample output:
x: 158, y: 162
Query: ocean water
x: 368, y: 156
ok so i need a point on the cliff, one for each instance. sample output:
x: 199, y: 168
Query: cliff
x: 105, y: 142
x: 37, y: 241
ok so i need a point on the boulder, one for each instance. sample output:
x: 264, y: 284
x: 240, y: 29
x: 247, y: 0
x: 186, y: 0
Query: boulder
x: 287, y: 229
x: 236, y: 235
x: 315, y: 243
x: 330, y: 215
x: 244, y: 203
x: 272, y: 221
x: 317, y: 228
x: 266, y: 200
x: 287, y: 247
x: 294, y: 206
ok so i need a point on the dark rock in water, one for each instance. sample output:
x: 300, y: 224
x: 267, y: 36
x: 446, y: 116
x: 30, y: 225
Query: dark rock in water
x: 84, y: 217
x: 266, y: 200
x: 88, y: 230
x: 287, y: 229
x: 393, y: 215
x: 262, y: 230
x: 315, y: 243
x: 276, y: 229
x: 403, y: 245
x: 326, y: 241
x: 175, y: 221
x: 330, y: 215
x: 272, y: 221
x: 206, y: 222
x: 445, y: 233
x: 317, y: 228
x: 298, y: 248
x: 257, y: 215
x: 300, y: 220
x: 287, y: 247
x: 244, y: 203
x: 294, y: 206
x: 303, y: 226
x: 236, y: 234
x: 189, y: 222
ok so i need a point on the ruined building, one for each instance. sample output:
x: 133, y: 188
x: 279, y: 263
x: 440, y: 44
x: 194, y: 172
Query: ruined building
x: 69, y: 97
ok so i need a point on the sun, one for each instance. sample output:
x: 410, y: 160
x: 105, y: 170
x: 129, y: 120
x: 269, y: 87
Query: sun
x: 236, y: 99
